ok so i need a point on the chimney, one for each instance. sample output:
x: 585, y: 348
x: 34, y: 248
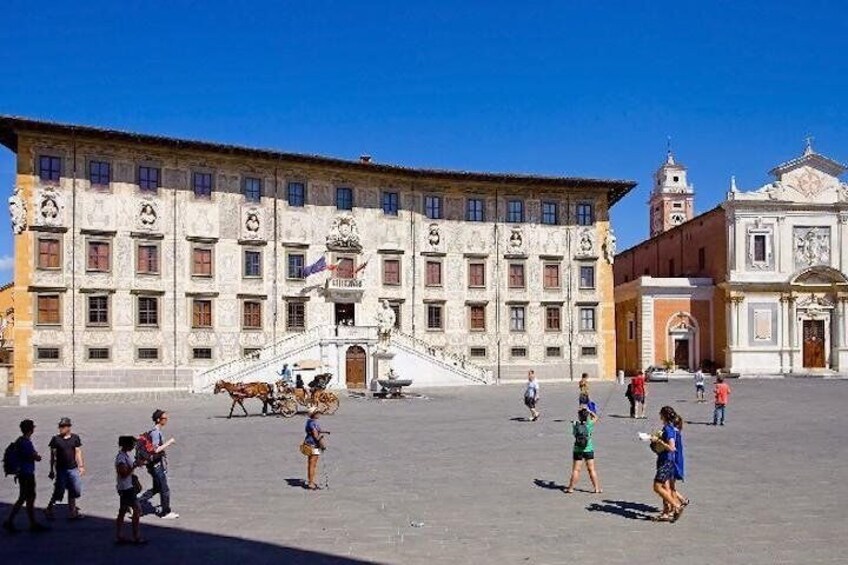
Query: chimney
x: 365, y: 158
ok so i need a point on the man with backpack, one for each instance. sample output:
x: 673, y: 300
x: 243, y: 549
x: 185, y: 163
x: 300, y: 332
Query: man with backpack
x: 583, y: 449
x: 19, y: 460
x: 151, y: 449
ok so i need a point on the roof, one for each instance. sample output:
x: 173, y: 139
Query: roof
x: 11, y: 126
x: 666, y: 233
x: 816, y: 160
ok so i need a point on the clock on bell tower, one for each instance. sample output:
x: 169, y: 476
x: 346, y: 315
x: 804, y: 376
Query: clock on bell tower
x: 672, y: 197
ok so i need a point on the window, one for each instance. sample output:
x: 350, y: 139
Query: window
x: 148, y: 311
x: 671, y: 267
x: 395, y: 306
x: 252, y: 189
x: 676, y: 179
x: 553, y: 352
x: 98, y: 256
x: 147, y: 353
x: 474, y: 210
x: 251, y: 352
x: 98, y: 311
x: 48, y: 253
x: 97, y: 353
x: 588, y: 351
x: 587, y: 319
x: 297, y: 195
x: 550, y: 213
x: 518, y: 352
x: 516, y: 275
x: 252, y: 263
x: 345, y: 268
x: 434, y: 273
x: 391, y: 272
x: 702, y: 259
x: 435, y: 316
x: 47, y: 353
x: 252, y: 315
x: 48, y: 309
x: 49, y: 168
x: 344, y: 198
x: 553, y: 318
x: 677, y: 205
x: 294, y: 269
x: 295, y: 315
x: 147, y: 259
x: 477, y: 317
x: 477, y: 275
x: 477, y: 352
x: 516, y: 318
x: 201, y: 264
x: 202, y: 184
x: 760, y: 248
x: 515, y: 211
x: 585, y: 214
x: 390, y: 203
x: 201, y: 313
x: 587, y: 276
x: 433, y: 207
x: 631, y: 330
x: 551, y: 276
x: 148, y: 178
x: 201, y: 353
x: 99, y: 173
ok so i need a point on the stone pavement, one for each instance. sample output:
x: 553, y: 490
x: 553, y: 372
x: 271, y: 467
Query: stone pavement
x: 459, y: 478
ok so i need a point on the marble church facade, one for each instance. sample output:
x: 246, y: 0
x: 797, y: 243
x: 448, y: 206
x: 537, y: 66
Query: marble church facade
x: 141, y: 261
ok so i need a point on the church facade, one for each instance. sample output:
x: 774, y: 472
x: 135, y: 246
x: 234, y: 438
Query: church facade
x: 755, y: 286
x: 143, y: 261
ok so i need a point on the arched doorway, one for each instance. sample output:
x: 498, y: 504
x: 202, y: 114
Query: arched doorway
x: 683, y: 344
x: 355, y: 362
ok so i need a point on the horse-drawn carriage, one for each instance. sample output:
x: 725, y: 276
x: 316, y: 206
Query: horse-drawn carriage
x: 281, y: 397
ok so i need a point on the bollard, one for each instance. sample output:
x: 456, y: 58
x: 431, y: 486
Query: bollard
x: 23, y: 399
x: 620, y: 377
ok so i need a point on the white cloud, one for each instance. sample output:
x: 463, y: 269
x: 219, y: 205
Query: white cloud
x: 7, y: 263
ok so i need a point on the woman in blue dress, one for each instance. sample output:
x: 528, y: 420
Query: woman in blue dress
x: 669, y: 469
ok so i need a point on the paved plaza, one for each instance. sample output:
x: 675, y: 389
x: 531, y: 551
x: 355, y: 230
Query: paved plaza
x: 459, y: 477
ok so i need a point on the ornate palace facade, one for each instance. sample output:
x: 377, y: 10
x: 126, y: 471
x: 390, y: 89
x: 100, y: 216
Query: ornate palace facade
x: 143, y: 261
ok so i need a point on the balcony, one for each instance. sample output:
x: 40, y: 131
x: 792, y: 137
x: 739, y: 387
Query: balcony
x: 345, y: 290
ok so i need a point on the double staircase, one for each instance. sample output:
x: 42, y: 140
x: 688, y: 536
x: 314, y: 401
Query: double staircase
x: 414, y: 358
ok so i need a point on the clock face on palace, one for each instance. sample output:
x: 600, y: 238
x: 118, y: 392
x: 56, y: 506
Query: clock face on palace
x: 677, y: 218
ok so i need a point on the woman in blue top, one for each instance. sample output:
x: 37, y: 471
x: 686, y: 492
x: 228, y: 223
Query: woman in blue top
x: 314, y: 439
x: 668, y: 469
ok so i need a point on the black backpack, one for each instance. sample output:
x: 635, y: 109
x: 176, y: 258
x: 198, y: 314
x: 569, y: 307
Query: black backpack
x: 581, y: 436
x: 12, y: 459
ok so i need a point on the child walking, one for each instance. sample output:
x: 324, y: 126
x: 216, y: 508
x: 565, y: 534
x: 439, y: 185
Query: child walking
x: 584, y: 449
x: 531, y: 395
x: 127, y: 491
x: 700, y: 383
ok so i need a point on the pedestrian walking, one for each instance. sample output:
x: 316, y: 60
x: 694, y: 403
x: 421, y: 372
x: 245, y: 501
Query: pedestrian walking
x: 531, y: 396
x: 700, y: 384
x: 313, y: 446
x: 722, y: 395
x: 19, y: 459
x: 286, y: 373
x: 583, y: 386
x: 628, y: 394
x: 583, y: 449
x: 157, y: 465
x: 66, y: 469
x: 639, y: 391
x: 128, y: 489
x: 665, y: 445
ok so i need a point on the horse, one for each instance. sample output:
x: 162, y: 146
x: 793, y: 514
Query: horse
x: 241, y: 391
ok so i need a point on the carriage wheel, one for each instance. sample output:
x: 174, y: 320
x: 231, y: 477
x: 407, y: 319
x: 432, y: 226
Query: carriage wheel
x: 330, y: 403
x: 288, y: 407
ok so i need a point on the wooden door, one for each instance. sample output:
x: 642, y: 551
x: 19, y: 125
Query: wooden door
x: 814, y: 344
x: 681, y: 353
x: 355, y: 367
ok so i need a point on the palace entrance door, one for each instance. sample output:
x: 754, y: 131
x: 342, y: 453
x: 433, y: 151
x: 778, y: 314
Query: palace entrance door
x: 355, y: 367
x: 814, y: 357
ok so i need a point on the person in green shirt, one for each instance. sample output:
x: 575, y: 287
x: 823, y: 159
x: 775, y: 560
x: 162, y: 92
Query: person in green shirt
x: 583, y: 450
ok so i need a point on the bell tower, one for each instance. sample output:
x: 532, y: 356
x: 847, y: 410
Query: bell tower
x: 672, y: 198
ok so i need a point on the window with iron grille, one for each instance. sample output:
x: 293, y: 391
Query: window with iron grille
x: 147, y: 353
x: 49, y: 256
x: 475, y: 210
x: 98, y: 311
x: 148, y: 178
x: 515, y: 211
x: 201, y: 353
x: 390, y: 203
x: 516, y: 275
x: 201, y: 313
x: 477, y: 352
x: 98, y: 256
x: 47, y: 353
x: 516, y: 318
x: 433, y: 207
x: 252, y: 263
x: 98, y: 353
x: 550, y: 213
x: 252, y: 315
x: 518, y: 352
x: 477, y: 316
x: 148, y: 311
x: 99, y: 173
x: 252, y: 189
x: 344, y: 198
x: 297, y: 195
x: 49, y: 168
x: 588, y: 351
x: 553, y: 352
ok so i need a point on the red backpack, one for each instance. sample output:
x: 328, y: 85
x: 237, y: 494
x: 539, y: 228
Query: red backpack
x: 145, y: 450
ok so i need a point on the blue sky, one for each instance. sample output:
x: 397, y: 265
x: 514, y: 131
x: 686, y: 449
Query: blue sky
x: 565, y: 88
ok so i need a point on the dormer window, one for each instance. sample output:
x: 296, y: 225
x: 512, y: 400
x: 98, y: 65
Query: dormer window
x: 676, y: 179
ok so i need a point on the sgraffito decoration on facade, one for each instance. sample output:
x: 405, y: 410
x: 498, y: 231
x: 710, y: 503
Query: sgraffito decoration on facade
x: 148, y: 215
x: 252, y: 224
x: 516, y: 240
x: 586, y: 243
x: 344, y: 234
x: 17, y: 212
x: 50, y: 206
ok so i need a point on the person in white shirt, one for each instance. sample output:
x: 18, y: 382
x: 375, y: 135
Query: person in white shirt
x: 700, y: 383
x: 531, y: 396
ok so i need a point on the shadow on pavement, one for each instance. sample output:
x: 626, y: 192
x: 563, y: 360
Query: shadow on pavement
x: 297, y: 483
x: 91, y: 541
x: 550, y: 485
x: 694, y: 423
x: 519, y: 419
x: 630, y: 510
x: 624, y: 416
